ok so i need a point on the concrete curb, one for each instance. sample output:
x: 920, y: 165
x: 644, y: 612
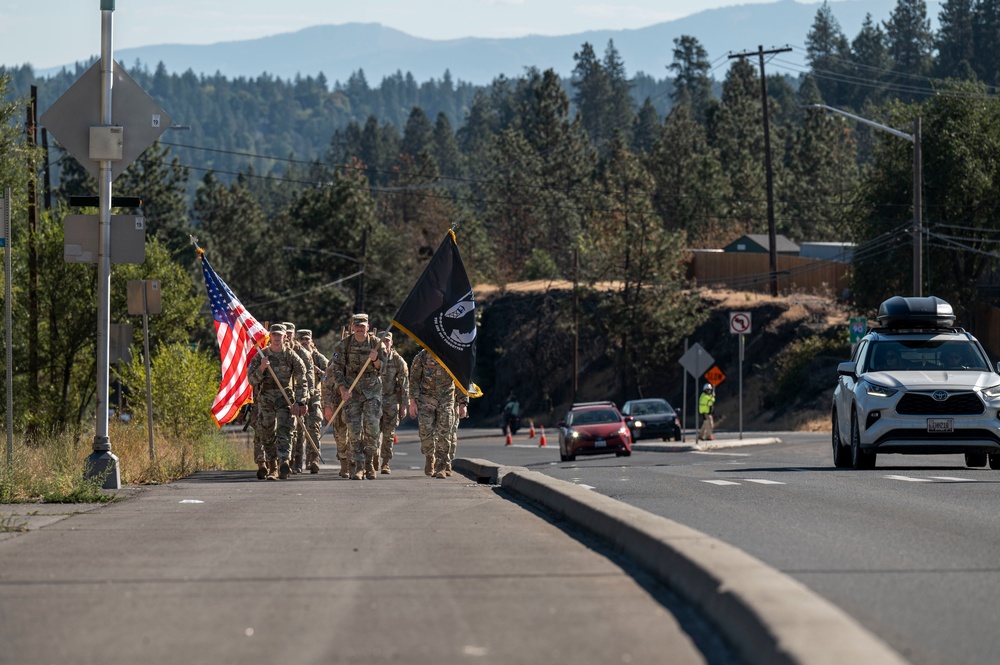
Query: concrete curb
x: 767, y: 616
x: 718, y: 444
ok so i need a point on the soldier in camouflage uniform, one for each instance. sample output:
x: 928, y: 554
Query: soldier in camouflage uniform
x: 275, y: 414
x: 432, y: 403
x: 299, y: 441
x: 331, y: 400
x: 461, y: 411
x: 314, y: 418
x: 395, y: 387
x: 362, y: 405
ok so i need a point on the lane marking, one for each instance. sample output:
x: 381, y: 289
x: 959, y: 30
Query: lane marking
x: 909, y: 479
x: 762, y: 481
x: 955, y: 480
x: 586, y: 487
x: 709, y: 452
x: 719, y: 482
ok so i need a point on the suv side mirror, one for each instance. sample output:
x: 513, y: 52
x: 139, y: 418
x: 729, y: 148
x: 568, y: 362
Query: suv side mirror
x: 849, y: 369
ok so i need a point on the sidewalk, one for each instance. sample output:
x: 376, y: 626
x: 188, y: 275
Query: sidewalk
x: 223, y: 568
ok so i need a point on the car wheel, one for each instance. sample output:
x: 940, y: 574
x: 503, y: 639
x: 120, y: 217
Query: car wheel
x: 995, y: 461
x: 841, y: 453
x: 859, y: 458
x: 565, y: 458
x: 635, y: 435
x: 976, y: 460
x: 677, y: 435
x: 627, y: 453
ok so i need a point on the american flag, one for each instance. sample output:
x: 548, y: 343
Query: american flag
x: 238, y: 334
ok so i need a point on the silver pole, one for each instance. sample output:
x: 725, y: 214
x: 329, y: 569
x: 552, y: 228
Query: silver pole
x: 684, y: 400
x: 8, y: 320
x: 918, y: 222
x: 149, y: 385
x: 741, y: 386
x: 102, y: 461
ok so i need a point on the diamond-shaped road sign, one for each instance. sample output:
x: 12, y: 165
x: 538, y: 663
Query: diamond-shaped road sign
x: 70, y: 118
x: 696, y: 360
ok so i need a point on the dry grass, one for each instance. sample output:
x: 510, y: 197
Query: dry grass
x: 53, y: 472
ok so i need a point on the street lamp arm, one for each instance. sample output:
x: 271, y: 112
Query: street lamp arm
x: 865, y: 121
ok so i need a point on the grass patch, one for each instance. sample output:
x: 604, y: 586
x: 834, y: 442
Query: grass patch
x: 53, y: 471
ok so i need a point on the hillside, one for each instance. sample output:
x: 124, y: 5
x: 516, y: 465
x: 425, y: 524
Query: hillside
x: 796, y: 341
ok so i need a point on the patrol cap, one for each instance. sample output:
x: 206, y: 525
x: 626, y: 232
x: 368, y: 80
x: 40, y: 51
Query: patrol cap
x: 277, y: 328
x: 304, y: 333
x: 385, y: 334
x: 359, y: 318
x: 289, y: 327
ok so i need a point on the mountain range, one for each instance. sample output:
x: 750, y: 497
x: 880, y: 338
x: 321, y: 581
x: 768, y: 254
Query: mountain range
x: 338, y: 51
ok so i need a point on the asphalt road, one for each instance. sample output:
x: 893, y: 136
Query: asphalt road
x: 910, y: 549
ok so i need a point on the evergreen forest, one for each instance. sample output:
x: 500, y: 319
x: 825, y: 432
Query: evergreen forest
x: 313, y: 200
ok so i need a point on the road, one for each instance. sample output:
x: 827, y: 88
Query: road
x: 909, y: 549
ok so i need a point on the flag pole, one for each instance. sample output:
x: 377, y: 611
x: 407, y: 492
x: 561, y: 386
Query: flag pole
x: 288, y: 401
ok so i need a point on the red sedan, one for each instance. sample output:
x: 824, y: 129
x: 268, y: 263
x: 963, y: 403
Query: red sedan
x: 594, y: 428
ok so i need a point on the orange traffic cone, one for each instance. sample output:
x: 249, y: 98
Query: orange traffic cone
x: 507, y: 432
x: 395, y: 438
x: 541, y: 441
x: 531, y: 432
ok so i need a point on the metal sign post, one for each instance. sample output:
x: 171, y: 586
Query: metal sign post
x: 739, y: 324
x: 144, y: 298
x: 696, y: 360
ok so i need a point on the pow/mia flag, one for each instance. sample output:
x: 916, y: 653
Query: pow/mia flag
x: 440, y: 315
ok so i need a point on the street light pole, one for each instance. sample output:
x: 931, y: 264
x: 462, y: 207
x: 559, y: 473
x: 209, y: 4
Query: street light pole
x: 918, y: 178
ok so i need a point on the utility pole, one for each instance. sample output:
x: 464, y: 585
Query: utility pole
x: 773, y: 251
x: 33, y: 364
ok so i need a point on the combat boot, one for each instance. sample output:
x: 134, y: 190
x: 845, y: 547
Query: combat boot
x: 439, y: 472
x: 272, y: 469
x: 370, y: 468
x: 357, y: 470
x: 261, y: 470
x: 385, y: 466
x: 447, y: 468
x: 284, y: 470
x: 313, y: 467
x: 344, y: 473
x: 429, y: 465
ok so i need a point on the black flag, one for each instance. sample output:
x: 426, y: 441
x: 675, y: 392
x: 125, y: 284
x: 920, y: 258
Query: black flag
x: 440, y: 315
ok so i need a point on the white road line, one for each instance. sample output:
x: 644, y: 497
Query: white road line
x: 955, y: 480
x: 761, y: 481
x: 909, y: 479
x: 708, y: 452
x: 586, y: 487
x: 719, y: 482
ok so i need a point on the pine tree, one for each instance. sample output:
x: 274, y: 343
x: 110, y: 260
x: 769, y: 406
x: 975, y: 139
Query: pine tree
x: 691, y: 69
x: 871, y: 65
x: 954, y: 42
x: 646, y: 129
x: 827, y: 52
x: 986, y: 37
x: 418, y: 133
x: 910, y: 43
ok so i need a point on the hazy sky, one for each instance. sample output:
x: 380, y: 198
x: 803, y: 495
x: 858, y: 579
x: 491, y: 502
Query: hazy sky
x: 48, y: 33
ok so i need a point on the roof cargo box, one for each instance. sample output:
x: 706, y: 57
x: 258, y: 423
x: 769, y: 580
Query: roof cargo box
x: 929, y: 312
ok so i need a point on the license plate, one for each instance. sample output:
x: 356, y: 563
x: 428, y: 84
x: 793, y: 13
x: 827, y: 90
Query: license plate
x: 940, y: 424
x: 600, y: 443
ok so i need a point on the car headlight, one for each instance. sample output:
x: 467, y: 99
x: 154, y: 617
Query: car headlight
x: 573, y: 434
x: 992, y: 392
x: 623, y: 431
x: 637, y: 424
x: 876, y: 390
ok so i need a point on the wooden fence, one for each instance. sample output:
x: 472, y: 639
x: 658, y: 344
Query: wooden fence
x: 752, y: 272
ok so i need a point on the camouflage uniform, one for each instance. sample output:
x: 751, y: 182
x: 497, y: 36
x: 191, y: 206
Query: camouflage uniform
x: 395, y: 386
x: 364, y: 409
x: 460, y: 398
x: 314, y: 419
x: 433, y: 390
x: 299, y: 441
x: 274, y: 415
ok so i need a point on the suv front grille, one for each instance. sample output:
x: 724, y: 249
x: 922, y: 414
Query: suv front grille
x: 957, y: 404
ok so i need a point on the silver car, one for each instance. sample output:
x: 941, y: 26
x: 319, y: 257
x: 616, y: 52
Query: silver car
x: 916, y: 385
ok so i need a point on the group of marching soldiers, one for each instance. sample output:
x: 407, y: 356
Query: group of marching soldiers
x: 363, y: 390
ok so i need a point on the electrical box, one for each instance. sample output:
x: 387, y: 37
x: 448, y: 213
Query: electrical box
x: 106, y: 143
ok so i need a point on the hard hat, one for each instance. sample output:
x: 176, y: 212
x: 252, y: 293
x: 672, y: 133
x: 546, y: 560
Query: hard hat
x: 707, y: 386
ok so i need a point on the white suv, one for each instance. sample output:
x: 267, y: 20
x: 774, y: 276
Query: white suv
x: 916, y: 385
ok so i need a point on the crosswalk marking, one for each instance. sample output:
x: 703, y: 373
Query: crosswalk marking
x: 719, y: 482
x: 909, y: 479
x: 761, y: 481
x: 955, y: 480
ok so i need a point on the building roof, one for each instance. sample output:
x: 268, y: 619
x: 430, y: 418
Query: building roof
x: 782, y: 245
